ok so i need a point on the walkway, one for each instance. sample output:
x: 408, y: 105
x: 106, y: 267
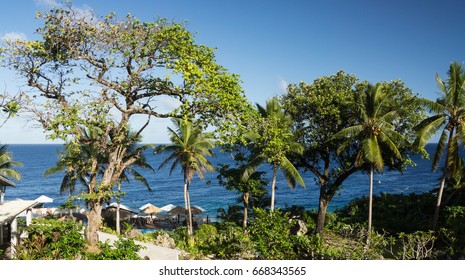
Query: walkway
x: 151, y: 251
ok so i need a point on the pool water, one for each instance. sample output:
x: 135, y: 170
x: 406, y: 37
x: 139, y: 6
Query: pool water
x: 146, y: 230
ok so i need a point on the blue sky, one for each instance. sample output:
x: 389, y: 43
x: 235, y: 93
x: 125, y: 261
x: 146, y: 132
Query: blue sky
x: 271, y: 44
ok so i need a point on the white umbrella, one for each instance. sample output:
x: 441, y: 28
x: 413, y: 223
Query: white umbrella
x: 44, y: 199
x: 121, y: 206
x: 168, y: 207
x: 198, y: 207
x: 152, y: 209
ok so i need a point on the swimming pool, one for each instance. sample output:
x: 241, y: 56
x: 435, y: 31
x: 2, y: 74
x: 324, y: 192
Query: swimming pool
x: 146, y: 230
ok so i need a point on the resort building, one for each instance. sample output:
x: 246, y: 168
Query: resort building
x: 9, y: 212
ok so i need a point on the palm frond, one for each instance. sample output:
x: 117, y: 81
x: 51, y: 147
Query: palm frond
x: 427, y: 128
x: 291, y: 173
x: 370, y: 153
x: 349, y: 132
x: 453, y: 155
x: 10, y: 174
x: 391, y: 140
x: 432, y: 106
x: 439, y: 149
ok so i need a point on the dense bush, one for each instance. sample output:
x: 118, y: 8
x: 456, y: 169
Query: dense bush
x: 231, y: 243
x: 270, y: 233
x: 121, y: 249
x: 392, y: 213
x: 51, y: 239
x: 452, y: 235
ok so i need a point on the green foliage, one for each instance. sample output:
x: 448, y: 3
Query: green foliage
x: 188, y: 149
x: 122, y: 249
x: 8, y: 165
x: 11, y: 108
x: 68, y: 204
x: 50, y: 239
x: 414, y: 246
x: 392, y: 213
x: 251, y: 188
x: 97, y: 75
x: 452, y: 235
x: 180, y: 237
x: 273, y: 141
x: 448, y: 116
x: 270, y: 234
x: 232, y: 243
x: 10, y: 105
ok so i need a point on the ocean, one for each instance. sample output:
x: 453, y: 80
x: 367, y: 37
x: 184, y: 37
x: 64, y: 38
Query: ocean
x: 207, y: 193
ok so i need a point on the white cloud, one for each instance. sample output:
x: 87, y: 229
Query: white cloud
x: 47, y: 3
x: 85, y: 12
x: 13, y: 36
x: 282, y: 85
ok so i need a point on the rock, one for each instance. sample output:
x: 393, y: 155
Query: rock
x: 164, y: 240
x: 133, y: 233
x: 299, y: 228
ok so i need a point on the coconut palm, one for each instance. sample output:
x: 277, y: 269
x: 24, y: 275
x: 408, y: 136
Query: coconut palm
x: 188, y: 148
x: 374, y: 134
x: 250, y: 188
x: 71, y: 162
x: 273, y: 142
x: 7, y: 166
x: 448, y: 117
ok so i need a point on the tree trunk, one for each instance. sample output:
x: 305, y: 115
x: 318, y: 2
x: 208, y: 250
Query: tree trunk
x: 94, y: 218
x: 187, y: 204
x: 438, y: 202
x: 118, y: 216
x: 273, y: 187
x: 190, y: 226
x: 245, y: 199
x: 370, y: 200
x: 443, y: 182
x: 322, y: 207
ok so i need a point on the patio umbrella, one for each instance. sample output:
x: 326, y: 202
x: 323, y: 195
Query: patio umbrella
x: 151, y: 209
x: 181, y: 210
x: 177, y: 210
x: 168, y: 207
x: 44, y: 199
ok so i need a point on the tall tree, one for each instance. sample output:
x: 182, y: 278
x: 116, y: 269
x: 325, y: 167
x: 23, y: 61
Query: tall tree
x: 102, y: 73
x: 374, y: 132
x: 273, y: 142
x: 188, y: 148
x: 319, y: 111
x: 251, y: 188
x: 70, y: 161
x: 449, y: 117
x: 323, y: 108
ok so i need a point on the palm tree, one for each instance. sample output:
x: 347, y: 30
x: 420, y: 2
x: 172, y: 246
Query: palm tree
x: 448, y: 116
x: 6, y: 167
x: 273, y: 142
x: 250, y: 188
x: 188, y: 148
x: 374, y: 135
x: 71, y: 162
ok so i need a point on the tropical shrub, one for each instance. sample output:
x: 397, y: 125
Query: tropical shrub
x: 51, y: 239
x: 413, y: 246
x: 205, y: 236
x: 231, y: 243
x: 392, y: 213
x: 271, y: 236
x: 452, y: 236
x: 122, y: 249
